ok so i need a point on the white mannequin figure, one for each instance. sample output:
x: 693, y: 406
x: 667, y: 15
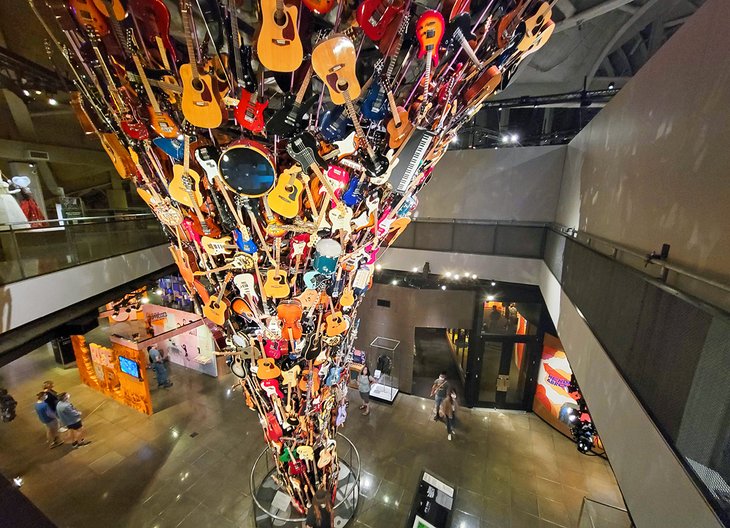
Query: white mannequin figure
x: 10, y: 211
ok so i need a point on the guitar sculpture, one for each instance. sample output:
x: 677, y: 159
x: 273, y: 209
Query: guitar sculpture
x: 277, y: 213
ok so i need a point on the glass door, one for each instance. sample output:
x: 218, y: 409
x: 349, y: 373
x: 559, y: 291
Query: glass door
x: 504, y: 371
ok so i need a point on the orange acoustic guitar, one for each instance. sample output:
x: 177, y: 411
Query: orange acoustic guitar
x: 279, y: 46
x: 201, y: 103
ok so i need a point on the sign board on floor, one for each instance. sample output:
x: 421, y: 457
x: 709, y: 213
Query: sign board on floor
x: 433, y: 502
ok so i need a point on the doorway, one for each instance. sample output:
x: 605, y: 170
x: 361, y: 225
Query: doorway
x: 506, y: 365
x: 433, y: 355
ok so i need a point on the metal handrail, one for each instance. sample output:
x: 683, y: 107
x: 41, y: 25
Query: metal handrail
x: 60, y: 222
x: 266, y: 451
x: 585, y: 239
x: 472, y: 221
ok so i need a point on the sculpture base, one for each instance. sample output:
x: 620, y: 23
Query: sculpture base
x: 276, y: 510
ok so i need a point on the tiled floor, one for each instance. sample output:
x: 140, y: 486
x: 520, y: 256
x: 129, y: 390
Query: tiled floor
x: 511, y: 469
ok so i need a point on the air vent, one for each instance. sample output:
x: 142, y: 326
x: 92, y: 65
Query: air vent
x: 39, y: 155
x: 384, y: 303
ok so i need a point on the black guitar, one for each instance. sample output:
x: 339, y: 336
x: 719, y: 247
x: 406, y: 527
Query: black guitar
x: 303, y: 149
x: 374, y: 161
x: 289, y: 120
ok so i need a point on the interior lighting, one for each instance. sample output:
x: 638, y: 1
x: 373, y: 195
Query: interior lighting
x: 611, y: 86
x: 158, y: 291
x: 473, y: 275
x: 443, y: 287
x: 378, y: 267
x: 52, y: 102
x: 18, y: 481
x: 395, y: 282
x: 457, y: 276
x: 448, y: 274
x: 144, y: 300
x: 26, y: 93
x: 414, y: 269
x: 490, y: 297
x: 493, y: 283
x: 514, y: 138
x: 505, y: 138
x: 38, y: 92
x: 181, y: 137
x: 455, y: 140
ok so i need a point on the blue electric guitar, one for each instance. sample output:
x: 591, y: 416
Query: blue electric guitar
x: 335, y: 124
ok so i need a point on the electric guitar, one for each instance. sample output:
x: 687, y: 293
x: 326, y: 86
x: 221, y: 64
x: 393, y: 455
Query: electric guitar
x: 185, y: 187
x: 159, y: 120
x: 335, y: 124
x: 303, y: 149
x: 289, y: 120
x: 249, y: 112
x: 201, y: 104
x: 279, y: 46
x: 207, y: 157
x: 374, y: 16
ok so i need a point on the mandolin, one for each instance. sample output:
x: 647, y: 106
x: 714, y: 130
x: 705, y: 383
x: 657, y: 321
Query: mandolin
x: 201, y: 103
x: 279, y: 46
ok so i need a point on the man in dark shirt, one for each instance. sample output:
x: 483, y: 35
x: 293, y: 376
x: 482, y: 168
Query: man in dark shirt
x: 51, y: 395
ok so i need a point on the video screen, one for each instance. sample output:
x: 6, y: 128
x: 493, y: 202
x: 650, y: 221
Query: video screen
x: 129, y: 366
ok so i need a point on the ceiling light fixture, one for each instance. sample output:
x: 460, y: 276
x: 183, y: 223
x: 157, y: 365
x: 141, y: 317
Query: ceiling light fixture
x: 443, y: 287
x: 52, y: 102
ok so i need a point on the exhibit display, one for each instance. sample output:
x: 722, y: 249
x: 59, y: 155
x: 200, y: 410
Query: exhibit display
x: 282, y: 148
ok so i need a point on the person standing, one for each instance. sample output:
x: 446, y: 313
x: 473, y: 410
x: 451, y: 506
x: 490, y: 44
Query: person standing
x: 494, y: 317
x: 439, y: 390
x: 448, y: 409
x: 49, y: 419
x: 51, y: 395
x: 320, y: 513
x: 364, y: 380
x: 71, y: 418
x: 159, y: 367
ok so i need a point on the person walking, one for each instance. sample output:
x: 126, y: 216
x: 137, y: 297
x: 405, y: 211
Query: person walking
x: 320, y: 513
x: 364, y: 380
x: 51, y: 395
x: 48, y: 419
x: 159, y: 367
x: 448, y: 410
x: 439, y: 390
x: 71, y: 418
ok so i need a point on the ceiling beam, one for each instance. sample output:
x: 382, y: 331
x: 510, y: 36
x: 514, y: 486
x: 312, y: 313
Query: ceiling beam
x: 589, y: 14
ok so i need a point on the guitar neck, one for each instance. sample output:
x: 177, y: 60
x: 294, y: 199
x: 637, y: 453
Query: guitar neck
x: 111, y: 86
x: 393, y: 107
x: 188, y: 29
x: 303, y: 88
x: 236, y: 41
x: 146, y: 84
x: 355, y: 121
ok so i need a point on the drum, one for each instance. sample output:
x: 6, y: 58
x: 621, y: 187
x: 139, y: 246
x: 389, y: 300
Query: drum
x: 326, y: 254
x: 247, y: 168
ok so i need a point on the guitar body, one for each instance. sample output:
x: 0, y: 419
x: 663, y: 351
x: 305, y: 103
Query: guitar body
x: 335, y: 124
x: 484, y: 85
x: 216, y: 310
x: 348, y: 297
x: 162, y: 124
x: 87, y: 14
x: 429, y: 31
x: 217, y: 246
x: 304, y: 150
x: 117, y: 9
x: 200, y: 103
x: 503, y: 34
x: 398, y: 133
x: 250, y: 113
x: 154, y: 21
x: 248, y: 246
x: 288, y: 120
x: 375, y: 104
x: 319, y: 7
x: 276, y: 285
x: 334, y: 60
x: 178, y: 190
x: 279, y: 45
x: 533, y: 26
x: 285, y: 199
x: 353, y: 194
x: 118, y: 155
x: 336, y: 324
x: 290, y: 314
x: 173, y: 147
x: 374, y: 16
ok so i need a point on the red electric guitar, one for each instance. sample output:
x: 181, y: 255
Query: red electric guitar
x: 374, y: 16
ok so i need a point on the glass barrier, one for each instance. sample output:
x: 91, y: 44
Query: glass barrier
x: 594, y: 514
x: 57, y: 244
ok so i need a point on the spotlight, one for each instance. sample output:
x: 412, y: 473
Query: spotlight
x: 457, y: 276
x: 26, y: 93
x: 38, y: 92
x: 414, y: 269
x: 490, y: 297
x: 443, y: 287
x: 52, y: 102
x: 158, y: 291
x: 144, y: 300
x: 514, y: 138
x: 473, y: 275
x: 611, y: 86
x: 493, y: 283
x: 18, y: 481
x: 378, y: 267
x: 394, y: 282
x: 455, y: 140
x: 505, y: 138
x: 448, y: 274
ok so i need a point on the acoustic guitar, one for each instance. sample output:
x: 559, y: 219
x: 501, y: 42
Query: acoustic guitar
x: 279, y: 45
x: 217, y: 306
x: 201, y: 103
x: 285, y: 199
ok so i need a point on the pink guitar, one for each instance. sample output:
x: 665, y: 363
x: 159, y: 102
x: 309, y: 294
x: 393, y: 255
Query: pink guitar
x: 271, y: 388
x: 339, y: 178
x: 275, y: 348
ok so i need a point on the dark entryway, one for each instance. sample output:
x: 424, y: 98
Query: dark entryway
x: 433, y: 355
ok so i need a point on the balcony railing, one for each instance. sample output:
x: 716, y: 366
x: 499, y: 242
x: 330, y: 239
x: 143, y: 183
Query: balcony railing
x: 36, y: 248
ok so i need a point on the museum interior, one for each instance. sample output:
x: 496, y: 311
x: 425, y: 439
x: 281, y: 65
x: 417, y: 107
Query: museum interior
x: 428, y: 264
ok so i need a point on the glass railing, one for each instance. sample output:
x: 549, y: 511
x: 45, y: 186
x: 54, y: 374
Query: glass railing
x: 594, y: 514
x: 36, y: 248
x: 480, y: 237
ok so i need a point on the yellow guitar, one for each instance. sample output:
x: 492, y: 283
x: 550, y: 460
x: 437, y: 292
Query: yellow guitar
x: 201, y: 103
x: 285, y: 199
x: 279, y: 46
x: 217, y: 307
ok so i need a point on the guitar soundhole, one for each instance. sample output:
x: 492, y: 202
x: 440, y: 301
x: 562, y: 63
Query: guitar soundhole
x: 198, y: 85
x: 280, y: 18
x: 342, y: 85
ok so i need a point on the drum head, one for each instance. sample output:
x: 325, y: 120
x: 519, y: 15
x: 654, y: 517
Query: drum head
x: 247, y: 171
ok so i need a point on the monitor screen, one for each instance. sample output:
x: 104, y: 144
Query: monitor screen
x: 129, y: 366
